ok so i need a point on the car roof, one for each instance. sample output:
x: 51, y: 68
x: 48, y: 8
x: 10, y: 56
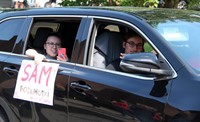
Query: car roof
x: 160, y: 13
x: 140, y: 12
x: 87, y: 11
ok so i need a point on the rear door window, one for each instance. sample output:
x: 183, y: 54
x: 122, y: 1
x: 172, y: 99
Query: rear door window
x: 65, y: 27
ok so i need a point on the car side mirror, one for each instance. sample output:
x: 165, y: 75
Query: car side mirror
x: 141, y: 63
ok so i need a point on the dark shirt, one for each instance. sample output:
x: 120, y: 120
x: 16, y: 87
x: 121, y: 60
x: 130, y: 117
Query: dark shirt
x: 49, y: 57
x: 114, y: 65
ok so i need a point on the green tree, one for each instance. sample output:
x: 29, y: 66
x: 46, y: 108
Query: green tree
x: 194, y: 3
x: 151, y: 3
x: 102, y: 2
x: 174, y: 3
x: 135, y: 3
x: 171, y: 3
x: 83, y: 2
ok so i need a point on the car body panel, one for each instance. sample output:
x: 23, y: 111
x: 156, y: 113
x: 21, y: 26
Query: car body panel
x: 103, y: 95
x: 35, y: 111
x: 187, y: 81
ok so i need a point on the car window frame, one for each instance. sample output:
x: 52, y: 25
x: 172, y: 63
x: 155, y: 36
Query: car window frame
x: 133, y: 27
x: 77, y: 38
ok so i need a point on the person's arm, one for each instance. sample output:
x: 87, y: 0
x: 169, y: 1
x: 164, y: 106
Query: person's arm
x: 34, y: 54
x: 122, y: 55
x: 31, y: 53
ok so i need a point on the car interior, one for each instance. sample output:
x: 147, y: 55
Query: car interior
x: 108, y: 39
x: 40, y: 37
x: 108, y: 46
x: 42, y: 27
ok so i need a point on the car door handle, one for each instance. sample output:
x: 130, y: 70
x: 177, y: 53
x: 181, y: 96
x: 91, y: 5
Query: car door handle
x: 10, y: 71
x: 83, y: 89
x: 78, y: 86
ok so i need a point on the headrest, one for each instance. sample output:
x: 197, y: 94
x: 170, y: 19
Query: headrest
x: 110, y: 44
x: 41, y: 36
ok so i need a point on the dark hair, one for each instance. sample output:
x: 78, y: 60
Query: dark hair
x: 131, y: 34
x: 55, y: 34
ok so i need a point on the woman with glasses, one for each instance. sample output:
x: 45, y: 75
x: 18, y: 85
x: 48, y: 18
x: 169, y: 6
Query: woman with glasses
x: 132, y: 43
x: 51, y: 46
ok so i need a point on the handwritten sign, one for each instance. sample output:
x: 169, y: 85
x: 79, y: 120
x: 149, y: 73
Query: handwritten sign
x: 35, y: 83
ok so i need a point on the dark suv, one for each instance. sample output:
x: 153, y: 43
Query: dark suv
x: 159, y: 86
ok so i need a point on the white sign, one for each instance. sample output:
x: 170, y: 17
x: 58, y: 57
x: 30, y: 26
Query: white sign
x: 35, y: 83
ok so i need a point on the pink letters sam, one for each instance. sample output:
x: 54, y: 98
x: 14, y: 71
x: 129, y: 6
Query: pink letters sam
x: 35, y: 83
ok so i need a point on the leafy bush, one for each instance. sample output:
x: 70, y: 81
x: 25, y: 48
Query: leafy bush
x: 102, y: 2
x: 151, y: 3
x: 83, y: 2
x: 137, y: 3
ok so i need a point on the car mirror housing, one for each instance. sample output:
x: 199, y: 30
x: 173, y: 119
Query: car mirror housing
x: 143, y: 62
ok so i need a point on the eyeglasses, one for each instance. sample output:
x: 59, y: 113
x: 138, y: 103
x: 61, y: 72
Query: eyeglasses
x: 51, y: 44
x: 132, y: 44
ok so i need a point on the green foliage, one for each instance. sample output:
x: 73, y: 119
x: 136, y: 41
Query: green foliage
x: 151, y: 3
x: 147, y: 47
x: 137, y: 3
x: 102, y: 3
x: 194, y: 3
x: 83, y: 2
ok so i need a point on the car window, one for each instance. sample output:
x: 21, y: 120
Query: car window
x: 54, y: 26
x: 67, y: 29
x: 183, y: 38
x: 109, y: 44
x: 9, y: 31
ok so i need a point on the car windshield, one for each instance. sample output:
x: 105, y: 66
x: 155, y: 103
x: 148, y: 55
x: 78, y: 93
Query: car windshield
x: 184, y: 38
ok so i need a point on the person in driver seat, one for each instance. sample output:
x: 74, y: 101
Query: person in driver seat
x: 132, y: 43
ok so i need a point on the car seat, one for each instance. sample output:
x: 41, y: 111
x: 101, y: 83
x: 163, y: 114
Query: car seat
x: 30, y: 41
x: 108, y: 47
x: 40, y: 38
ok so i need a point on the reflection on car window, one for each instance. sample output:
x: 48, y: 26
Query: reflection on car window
x: 184, y: 39
x: 9, y: 31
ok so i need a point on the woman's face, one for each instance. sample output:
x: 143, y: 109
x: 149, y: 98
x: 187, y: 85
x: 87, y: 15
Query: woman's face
x: 51, y: 46
x: 133, y: 45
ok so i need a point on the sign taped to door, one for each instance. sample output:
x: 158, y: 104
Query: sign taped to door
x: 35, y: 82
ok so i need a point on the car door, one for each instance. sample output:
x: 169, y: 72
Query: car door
x: 35, y: 111
x: 21, y: 110
x: 59, y: 110
x: 10, y: 35
x: 98, y: 94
